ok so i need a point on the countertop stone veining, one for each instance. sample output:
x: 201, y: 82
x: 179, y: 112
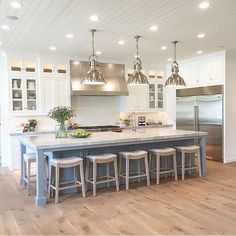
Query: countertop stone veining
x: 48, y: 141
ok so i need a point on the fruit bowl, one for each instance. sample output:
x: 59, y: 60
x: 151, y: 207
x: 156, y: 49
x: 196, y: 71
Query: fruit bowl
x: 80, y: 133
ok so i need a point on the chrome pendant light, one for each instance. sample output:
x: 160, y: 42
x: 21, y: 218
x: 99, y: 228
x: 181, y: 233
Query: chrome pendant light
x: 137, y: 78
x: 175, y: 80
x: 93, y: 76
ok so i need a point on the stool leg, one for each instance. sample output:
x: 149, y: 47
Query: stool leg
x: 116, y: 174
x: 46, y: 174
x: 57, y: 184
x: 120, y: 165
x: 108, y: 174
x: 158, y: 168
x: 199, y: 163
x: 150, y: 160
x: 127, y: 174
x: 166, y: 165
x: 183, y: 164
x: 139, y: 163
x: 175, y: 166
x: 147, y: 170
x: 94, y: 178
x: 28, y: 177
x: 87, y: 175
x: 82, y: 179
x: 75, y: 176
x: 50, y: 191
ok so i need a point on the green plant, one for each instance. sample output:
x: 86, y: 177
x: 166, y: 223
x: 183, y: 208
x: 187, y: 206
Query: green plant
x: 61, y: 114
x: 32, y: 123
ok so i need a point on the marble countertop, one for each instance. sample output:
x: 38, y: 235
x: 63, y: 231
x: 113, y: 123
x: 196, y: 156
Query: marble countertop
x: 48, y: 141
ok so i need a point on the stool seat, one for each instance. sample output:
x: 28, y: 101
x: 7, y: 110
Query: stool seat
x: 102, y: 158
x: 66, y: 161
x: 30, y: 157
x: 133, y: 154
x: 188, y: 148
x: 163, y: 151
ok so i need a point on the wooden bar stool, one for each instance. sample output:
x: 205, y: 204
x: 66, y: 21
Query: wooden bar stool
x: 107, y: 159
x: 54, y: 181
x: 29, y: 159
x: 134, y: 155
x: 163, y: 153
x: 195, y: 150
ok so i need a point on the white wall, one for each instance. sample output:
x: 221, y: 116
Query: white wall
x: 96, y: 110
x: 230, y: 107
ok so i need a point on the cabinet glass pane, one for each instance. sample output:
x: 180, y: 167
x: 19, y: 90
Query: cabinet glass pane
x: 17, y: 102
x: 61, y: 68
x: 160, y: 104
x: 17, y: 105
x: 31, y: 105
x: 47, y: 68
x: 31, y: 94
x: 16, y: 66
x: 31, y: 84
x: 151, y: 104
x: 30, y: 67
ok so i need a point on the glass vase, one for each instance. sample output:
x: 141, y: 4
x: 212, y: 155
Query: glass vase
x: 61, y: 130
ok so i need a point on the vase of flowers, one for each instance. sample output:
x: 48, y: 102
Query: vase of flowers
x: 61, y: 114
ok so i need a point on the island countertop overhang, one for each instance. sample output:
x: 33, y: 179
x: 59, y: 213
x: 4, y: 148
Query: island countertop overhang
x: 49, y: 141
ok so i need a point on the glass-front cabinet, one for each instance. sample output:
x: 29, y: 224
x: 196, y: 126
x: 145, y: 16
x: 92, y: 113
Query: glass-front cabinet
x: 24, y: 94
x: 156, y: 92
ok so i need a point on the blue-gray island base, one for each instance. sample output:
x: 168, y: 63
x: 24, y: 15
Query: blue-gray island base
x: 104, y: 142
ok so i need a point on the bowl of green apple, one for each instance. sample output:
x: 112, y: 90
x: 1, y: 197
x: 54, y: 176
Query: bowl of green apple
x: 80, y: 133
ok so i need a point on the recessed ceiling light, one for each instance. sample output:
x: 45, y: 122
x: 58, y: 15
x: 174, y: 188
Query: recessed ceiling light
x: 94, y: 18
x: 200, y: 36
x: 121, y: 42
x: 199, y: 52
x: 53, y: 48
x: 69, y: 36
x: 12, y: 17
x: 98, y: 52
x: 204, y: 5
x: 169, y: 59
x: 15, y: 4
x: 163, y: 48
x: 153, y: 28
x: 5, y: 27
x: 76, y: 63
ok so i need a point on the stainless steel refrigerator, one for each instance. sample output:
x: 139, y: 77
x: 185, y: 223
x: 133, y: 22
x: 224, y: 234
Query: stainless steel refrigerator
x: 201, y: 109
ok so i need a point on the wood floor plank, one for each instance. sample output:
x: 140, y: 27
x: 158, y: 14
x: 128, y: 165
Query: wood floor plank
x: 197, y: 206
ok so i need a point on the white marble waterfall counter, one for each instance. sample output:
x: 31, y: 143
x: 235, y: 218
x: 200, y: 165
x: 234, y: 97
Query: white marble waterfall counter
x: 106, y: 142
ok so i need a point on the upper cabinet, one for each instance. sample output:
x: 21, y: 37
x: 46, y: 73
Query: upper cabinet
x: 23, y: 83
x: 55, y: 84
x: 147, y: 98
x: 203, y: 71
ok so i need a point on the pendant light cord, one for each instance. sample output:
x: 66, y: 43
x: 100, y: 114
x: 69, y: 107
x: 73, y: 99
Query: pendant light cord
x: 93, y: 50
x: 175, y: 42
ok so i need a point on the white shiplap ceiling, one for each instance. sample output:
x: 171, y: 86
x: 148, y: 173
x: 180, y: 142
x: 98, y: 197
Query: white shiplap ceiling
x: 44, y: 23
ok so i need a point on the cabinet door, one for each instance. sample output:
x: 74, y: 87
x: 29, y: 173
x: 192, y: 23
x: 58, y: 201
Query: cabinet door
x: 47, y: 94
x: 152, y: 96
x: 31, y: 94
x: 63, y: 92
x: 160, y: 96
x: 17, y: 93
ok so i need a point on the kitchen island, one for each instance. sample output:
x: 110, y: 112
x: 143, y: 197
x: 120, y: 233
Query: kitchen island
x: 105, y: 142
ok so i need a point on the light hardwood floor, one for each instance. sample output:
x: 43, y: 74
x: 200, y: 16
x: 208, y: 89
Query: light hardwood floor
x: 195, y: 206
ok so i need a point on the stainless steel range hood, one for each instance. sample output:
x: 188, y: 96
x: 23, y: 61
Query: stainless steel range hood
x: 114, y: 75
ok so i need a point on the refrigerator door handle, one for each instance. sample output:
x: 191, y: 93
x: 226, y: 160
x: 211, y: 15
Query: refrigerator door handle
x: 196, y: 125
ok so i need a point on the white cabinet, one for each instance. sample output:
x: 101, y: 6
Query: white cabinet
x: 137, y: 101
x: 23, y: 84
x: 156, y: 95
x: 203, y: 71
x: 55, y: 85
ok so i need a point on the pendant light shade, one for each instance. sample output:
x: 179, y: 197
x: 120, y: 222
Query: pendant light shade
x: 175, y: 80
x: 137, y: 78
x: 93, y: 76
